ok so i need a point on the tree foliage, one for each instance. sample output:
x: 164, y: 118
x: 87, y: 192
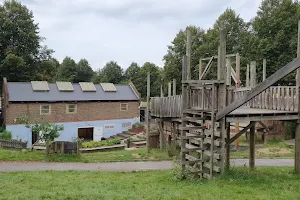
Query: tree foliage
x: 112, y: 72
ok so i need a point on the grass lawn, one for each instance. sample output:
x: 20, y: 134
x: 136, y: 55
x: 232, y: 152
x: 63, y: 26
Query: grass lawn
x: 113, y: 156
x: 265, y: 183
x: 273, y: 149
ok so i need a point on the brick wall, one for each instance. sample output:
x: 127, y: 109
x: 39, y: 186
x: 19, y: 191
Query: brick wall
x: 87, y: 111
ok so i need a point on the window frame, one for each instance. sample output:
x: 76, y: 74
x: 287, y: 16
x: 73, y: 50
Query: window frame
x: 68, y: 108
x: 49, y: 113
x: 121, y: 107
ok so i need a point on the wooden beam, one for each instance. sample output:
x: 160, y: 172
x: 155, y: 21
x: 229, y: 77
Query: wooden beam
x: 252, y: 148
x: 290, y: 67
x: 262, y: 118
x: 184, y: 115
x: 161, y: 134
x: 161, y: 91
x: 207, y: 68
x: 200, y: 68
x: 228, y: 71
x: 188, y: 52
x: 253, y: 80
x: 169, y: 89
x: 297, y: 133
x: 228, y: 146
x: 241, y: 132
x: 264, y: 69
x: 238, y: 70
x: 248, y: 76
x: 148, y: 117
x: 174, y: 87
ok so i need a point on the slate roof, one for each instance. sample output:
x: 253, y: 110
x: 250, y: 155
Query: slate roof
x: 22, y: 91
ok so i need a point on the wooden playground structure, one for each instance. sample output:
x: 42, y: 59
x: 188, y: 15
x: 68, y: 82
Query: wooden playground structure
x: 200, y: 117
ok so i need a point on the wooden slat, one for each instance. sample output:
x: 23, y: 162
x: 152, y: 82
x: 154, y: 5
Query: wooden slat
x: 215, y: 168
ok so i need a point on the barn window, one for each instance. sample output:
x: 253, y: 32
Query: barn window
x: 71, y: 108
x: 123, y: 106
x: 45, y: 109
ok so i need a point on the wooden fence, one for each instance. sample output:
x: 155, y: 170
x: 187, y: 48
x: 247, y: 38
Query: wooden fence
x: 12, y: 144
x: 273, y: 98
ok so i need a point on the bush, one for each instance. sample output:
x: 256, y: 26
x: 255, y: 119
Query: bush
x: 6, y: 135
x: 138, y: 125
x: 93, y: 144
x: 290, y: 130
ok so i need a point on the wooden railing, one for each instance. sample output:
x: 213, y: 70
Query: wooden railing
x: 273, y: 98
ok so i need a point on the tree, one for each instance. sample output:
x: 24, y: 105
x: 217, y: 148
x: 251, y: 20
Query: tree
x: 275, y: 28
x: 84, y: 71
x: 18, y: 37
x: 14, y: 68
x: 99, y: 77
x: 113, y: 72
x: 132, y: 72
x: 67, y: 70
x: 155, y: 79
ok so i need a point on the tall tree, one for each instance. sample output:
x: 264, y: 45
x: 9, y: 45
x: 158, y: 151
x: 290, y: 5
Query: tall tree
x: 19, y: 37
x: 113, y: 72
x: 13, y: 65
x: 67, y: 70
x: 155, y: 78
x: 275, y: 27
x: 84, y: 71
x: 132, y: 72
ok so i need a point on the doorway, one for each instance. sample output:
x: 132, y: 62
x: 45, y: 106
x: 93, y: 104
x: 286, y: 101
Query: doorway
x: 86, y: 133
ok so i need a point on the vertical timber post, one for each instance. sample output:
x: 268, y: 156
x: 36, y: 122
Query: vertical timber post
x: 228, y: 71
x: 248, y: 76
x: 200, y: 68
x: 297, y: 134
x: 252, y: 148
x: 161, y: 91
x: 169, y: 89
x: 184, y: 106
x: 222, y: 96
x: 174, y: 87
x: 253, y: 74
x: 148, y: 117
x: 264, y: 69
x: 188, y: 52
x: 238, y: 85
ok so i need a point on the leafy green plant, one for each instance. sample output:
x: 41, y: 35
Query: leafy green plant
x: 290, y: 129
x: 138, y: 125
x: 6, y: 135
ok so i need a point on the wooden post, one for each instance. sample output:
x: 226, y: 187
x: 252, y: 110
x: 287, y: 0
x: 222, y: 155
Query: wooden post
x: 227, y: 163
x: 161, y: 134
x: 47, y: 147
x: 222, y: 93
x: 184, y: 106
x: 169, y: 89
x: 161, y: 91
x: 238, y: 85
x: 252, y: 148
x: 148, y: 117
x: 174, y: 87
x: 264, y: 69
x: 253, y: 74
x: 297, y: 134
x: 188, y: 53
x: 248, y: 76
x: 200, y: 68
x: 228, y: 73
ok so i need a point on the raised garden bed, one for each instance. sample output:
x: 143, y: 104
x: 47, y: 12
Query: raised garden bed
x: 103, y: 149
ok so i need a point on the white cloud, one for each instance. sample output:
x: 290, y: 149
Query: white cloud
x: 124, y: 30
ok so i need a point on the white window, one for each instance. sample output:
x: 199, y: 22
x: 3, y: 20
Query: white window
x: 45, y: 109
x: 71, y: 109
x: 123, y: 106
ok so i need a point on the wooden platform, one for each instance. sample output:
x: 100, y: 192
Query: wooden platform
x: 255, y: 114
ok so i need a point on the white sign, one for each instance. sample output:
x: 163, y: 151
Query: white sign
x: 98, y: 133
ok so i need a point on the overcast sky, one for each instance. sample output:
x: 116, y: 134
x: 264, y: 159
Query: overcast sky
x: 124, y: 30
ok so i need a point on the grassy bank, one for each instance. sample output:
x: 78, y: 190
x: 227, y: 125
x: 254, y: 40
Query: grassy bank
x: 264, y: 183
x: 112, y: 156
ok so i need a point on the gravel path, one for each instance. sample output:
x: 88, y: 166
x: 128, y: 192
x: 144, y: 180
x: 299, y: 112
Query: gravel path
x: 122, y: 166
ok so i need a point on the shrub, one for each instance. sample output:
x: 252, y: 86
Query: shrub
x: 6, y: 135
x: 138, y: 125
x: 290, y: 130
